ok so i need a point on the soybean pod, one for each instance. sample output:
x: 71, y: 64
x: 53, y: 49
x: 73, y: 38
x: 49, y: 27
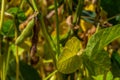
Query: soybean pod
x: 25, y: 33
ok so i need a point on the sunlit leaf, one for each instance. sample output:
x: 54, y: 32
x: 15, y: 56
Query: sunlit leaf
x: 94, y: 50
x: 102, y: 38
x: 99, y: 77
x: 85, y: 25
x: 90, y: 6
x: 117, y: 79
x: 69, y: 60
x: 101, y: 62
x: 64, y: 31
x: 109, y: 76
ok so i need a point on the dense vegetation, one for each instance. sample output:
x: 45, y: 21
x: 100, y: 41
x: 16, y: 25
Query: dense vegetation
x: 59, y: 40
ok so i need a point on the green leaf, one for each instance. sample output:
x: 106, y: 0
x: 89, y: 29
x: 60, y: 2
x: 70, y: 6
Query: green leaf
x: 99, y: 77
x: 13, y: 10
x: 117, y: 78
x: 98, y: 64
x: 94, y: 50
x: 109, y: 76
x: 102, y: 38
x: 64, y: 30
x: 47, y: 52
x: 27, y: 72
x: 118, y: 18
x: 115, y: 65
x: 116, y: 57
x: 101, y: 62
x: 17, y: 12
x: 8, y: 28
x: 69, y: 60
x: 21, y: 15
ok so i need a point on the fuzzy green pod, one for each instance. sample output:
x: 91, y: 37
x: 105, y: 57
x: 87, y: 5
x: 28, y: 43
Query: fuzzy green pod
x: 25, y: 33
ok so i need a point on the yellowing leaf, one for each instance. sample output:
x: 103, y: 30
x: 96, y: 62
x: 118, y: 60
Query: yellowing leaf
x: 29, y: 12
x: 90, y: 7
x: 85, y: 25
x: 64, y: 29
x: 69, y: 60
x: 15, y: 3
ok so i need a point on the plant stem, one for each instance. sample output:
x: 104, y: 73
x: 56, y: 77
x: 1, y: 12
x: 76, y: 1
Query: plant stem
x: 57, y: 27
x: 97, y: 11
x: 78, y: 12
x: 43, y: 25
x: 34, y: 5
x: 3, y: 70
x: 1, y: 22
x: 46, y: 36
x: 17, y: 64
x: 5, y: 61
x: 112, y: 17
x: 53, y: 73
x: 22, y: 4
x: 2, y: 13
x: 17, y: 56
